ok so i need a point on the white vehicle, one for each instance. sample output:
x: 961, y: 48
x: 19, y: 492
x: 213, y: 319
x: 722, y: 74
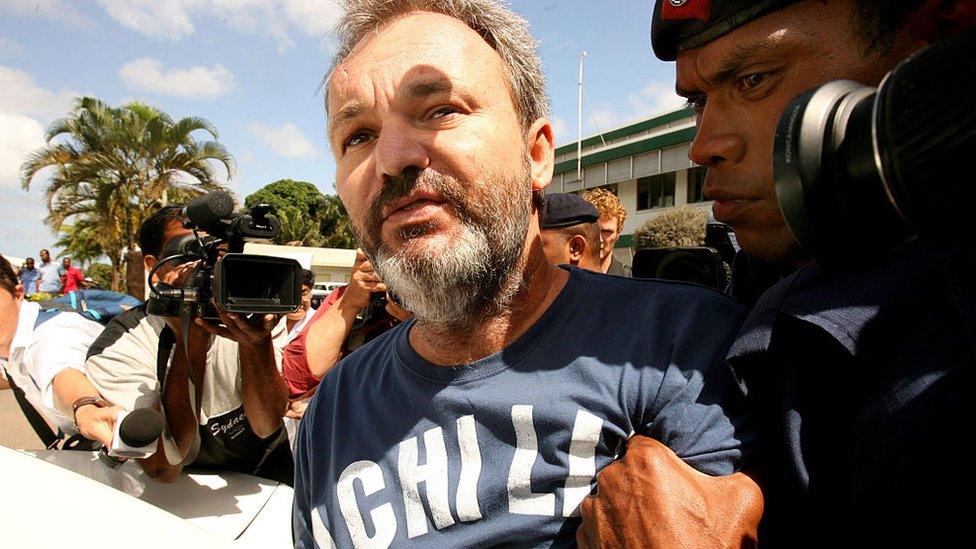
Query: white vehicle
x: 59, y: 498
x: 321, y: 290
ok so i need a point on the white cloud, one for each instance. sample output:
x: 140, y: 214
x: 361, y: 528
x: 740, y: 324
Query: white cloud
x: 48, y: 9
x: 560, y: 129
x: 655, y: 98
x: 286, y: 140
x: 164, y: 19
x: 315, y: 17
x: 197, y: 82
x: 19, y: 136
x: 9, y: 48
x: 21, y: 95
x: 177, y: 19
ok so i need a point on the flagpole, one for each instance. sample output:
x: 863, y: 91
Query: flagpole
x: 579, y: 121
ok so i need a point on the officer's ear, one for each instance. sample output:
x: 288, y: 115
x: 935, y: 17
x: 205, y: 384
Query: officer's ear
x: 577, y: 249
x: 148, y: 262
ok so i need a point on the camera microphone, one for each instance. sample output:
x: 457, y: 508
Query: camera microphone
x: 136, y: 433
x: 210, y: 210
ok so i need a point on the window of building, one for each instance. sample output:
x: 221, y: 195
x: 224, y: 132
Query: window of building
x: 696, y: 184
x: 656, y: 191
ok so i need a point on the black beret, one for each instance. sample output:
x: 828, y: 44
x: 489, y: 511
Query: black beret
x: 687, y: 24
x: 566, y: 209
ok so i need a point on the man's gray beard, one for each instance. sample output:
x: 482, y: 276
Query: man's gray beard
x: 476, y: 276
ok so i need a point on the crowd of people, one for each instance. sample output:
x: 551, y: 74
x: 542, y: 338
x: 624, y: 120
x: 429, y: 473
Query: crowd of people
x: 492, y: 374
x: 50, y: 279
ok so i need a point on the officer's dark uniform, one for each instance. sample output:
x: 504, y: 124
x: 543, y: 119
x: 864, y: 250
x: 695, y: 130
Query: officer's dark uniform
x: 864, y: 383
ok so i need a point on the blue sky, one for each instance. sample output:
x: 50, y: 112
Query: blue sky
x: 253, y: 67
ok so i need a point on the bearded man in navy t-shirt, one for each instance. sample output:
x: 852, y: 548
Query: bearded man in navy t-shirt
x: 486, y: 418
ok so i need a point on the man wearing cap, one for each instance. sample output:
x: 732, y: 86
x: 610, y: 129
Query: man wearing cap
x: 570, y: 233
x: 861, y: 380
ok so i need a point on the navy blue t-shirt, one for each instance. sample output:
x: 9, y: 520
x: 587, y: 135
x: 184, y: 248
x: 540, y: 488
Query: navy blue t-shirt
x: 394, y: 450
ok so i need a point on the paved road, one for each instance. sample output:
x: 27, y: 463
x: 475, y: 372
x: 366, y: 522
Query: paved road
x: 15, y: 432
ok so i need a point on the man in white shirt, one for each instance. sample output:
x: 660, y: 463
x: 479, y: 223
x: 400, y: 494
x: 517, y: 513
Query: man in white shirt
x: 45, y: 358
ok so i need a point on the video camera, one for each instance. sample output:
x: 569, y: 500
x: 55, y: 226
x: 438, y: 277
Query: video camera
x: 237, y: 282
x: 707, y: 265
x: 861, y: 171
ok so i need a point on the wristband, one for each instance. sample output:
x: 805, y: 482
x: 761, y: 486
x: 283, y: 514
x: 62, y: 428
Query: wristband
x: 85, y: 401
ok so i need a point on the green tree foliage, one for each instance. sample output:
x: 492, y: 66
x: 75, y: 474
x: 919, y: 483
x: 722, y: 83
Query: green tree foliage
x: 306, y: 214
x: 80, y: 241
x: 101, y: 274
x: 335, y: 225
x: 113, y: 166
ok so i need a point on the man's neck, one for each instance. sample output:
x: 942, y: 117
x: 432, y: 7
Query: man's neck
x: 605, y: 264
x: 541, y: 283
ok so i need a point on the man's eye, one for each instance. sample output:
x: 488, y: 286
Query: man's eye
x: 357, y: 138
x: 752, y: 81
x: 443, y: 111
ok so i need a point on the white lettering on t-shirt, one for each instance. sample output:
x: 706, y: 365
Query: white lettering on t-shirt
x: 521, y: 499
x: 321, y: 535
x: 467, y: 493
x: 582, y: 461
x: 433, y: 473
x: 384, y: 521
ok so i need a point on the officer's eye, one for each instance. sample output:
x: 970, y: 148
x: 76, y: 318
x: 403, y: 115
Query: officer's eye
x: 751, y: 82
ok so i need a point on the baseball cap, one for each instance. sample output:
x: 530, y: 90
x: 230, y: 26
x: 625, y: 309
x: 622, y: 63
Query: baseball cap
x: 566, y: 209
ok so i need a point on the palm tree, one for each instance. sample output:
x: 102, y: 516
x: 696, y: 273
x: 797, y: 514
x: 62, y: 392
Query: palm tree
x: 112, y: 167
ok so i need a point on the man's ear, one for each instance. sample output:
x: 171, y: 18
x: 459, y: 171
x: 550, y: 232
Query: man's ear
x: 19, y: 292
x: 540, y: 147
x: 577, y: 249
x: 148, y: 262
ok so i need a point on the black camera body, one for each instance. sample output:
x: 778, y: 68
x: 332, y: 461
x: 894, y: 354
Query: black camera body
x: 707, y: 265
x: 237, y: 282
x: 861, y: 171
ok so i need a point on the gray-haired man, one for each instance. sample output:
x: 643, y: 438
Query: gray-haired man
x: 484, y: 420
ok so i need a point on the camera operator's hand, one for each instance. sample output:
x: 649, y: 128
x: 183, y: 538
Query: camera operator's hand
x: 363, y: 282
x: 239, y: 328
x: 180, y: 274
x: 96, y: 423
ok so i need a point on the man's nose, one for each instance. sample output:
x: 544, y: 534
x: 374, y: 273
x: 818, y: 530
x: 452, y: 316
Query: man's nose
x: 400, y: 148
x: 718, y: 142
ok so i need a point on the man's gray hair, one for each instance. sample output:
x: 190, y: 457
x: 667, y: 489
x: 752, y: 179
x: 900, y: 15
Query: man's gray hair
x: 504, y: 30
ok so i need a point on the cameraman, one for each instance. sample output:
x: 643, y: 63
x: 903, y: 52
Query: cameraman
x: 861, y: 379
x: 224, y: 408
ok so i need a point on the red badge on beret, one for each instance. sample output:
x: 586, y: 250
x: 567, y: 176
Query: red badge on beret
x: 685, y: 9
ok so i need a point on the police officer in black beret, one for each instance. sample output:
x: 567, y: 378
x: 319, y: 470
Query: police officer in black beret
x: 861, y: 380
x: 570, y: 232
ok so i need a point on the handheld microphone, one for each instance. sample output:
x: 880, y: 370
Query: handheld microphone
x: 136, y: 433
